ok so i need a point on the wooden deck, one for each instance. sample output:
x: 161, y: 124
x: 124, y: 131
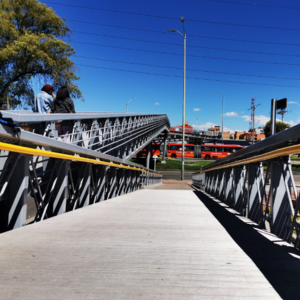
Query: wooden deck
x: 151, y: 244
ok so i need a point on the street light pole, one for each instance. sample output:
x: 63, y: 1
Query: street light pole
x: 183, y: 108
x: 127, y: 104
x: 222, y: 117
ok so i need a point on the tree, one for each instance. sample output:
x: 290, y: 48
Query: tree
x: 279, y: 127
x: 32, y: 48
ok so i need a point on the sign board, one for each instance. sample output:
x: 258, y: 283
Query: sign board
x: 281, y: 104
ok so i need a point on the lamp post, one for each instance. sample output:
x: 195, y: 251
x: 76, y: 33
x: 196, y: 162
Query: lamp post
x: 127, y: 104
x: 183, y: 110
x: 222, y: 117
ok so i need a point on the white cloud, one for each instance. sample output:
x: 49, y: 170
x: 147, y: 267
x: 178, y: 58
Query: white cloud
x: 292, y: 123
x: 226, y: 129
x: 260, y: 120
x: 197, y: 109
x: 231, y: 114
x: 242, y: 112
x: 204, y: 126
x: 156, y: 103
x: 292, y: 102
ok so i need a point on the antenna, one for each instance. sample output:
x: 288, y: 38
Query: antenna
x: 252, y: 108
x: 282, y: 113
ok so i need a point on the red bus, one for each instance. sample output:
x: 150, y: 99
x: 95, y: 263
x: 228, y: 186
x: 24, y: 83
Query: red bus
x: 212, y: 151
x: 174, y: 150
x: 155, y: 150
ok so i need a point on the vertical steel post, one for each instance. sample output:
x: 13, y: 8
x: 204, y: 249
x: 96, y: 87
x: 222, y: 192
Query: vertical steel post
x: 183, y: 112
x: 273, y: 117
x: 165, y: 147
x: 223, y: 120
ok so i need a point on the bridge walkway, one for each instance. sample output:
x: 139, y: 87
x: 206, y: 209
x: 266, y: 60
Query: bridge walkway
x: 150, y: 244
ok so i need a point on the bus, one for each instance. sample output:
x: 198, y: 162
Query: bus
x: 174, y: 150
x: 215, y: 151
x: 155, y: 150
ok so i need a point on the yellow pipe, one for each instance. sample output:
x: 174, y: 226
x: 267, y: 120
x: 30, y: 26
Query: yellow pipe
x: 273, y: 154
x: 30, y: 151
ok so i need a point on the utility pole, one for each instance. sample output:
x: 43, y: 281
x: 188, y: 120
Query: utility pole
x: 252, y: 108
x: 184, y: 79
x: 282, y: 113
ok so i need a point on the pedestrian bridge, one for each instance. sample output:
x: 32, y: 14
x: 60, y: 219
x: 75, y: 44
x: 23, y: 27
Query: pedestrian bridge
x: 233, y: 235
x: 150, y: 244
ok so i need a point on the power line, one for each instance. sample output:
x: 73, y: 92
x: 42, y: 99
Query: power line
x: 190, y: 55
x: 190, y: 35
x: 167, y: 75
x: 190, y: 46
x: 176, y: 68
x: 253, y: 4
x: 172, y: 18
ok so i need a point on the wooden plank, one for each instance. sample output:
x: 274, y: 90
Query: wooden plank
x: 150, y: 244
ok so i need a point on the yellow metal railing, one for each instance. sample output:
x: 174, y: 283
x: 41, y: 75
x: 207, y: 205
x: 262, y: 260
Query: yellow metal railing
x: 44, y: 153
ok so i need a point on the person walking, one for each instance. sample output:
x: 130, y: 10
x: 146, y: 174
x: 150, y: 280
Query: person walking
x: 63, y: 104
x: 43, y: 101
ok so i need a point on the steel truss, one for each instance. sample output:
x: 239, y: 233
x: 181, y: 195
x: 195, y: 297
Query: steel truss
x: 116, y: 134
x: 58, y: 186
x: 271, y: 200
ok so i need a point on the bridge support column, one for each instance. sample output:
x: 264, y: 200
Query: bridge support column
x: 165, y: 149
x: 149, y: 154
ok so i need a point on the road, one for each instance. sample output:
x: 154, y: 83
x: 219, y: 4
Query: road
x: 175, y: 174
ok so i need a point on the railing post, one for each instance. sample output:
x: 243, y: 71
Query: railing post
x: 255, y: 186
x: 14, y: 192
x: 281, y: 210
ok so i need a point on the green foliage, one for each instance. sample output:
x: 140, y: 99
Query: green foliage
x: 173, y: 164
x: 279, y: 127
x: 31, y: 48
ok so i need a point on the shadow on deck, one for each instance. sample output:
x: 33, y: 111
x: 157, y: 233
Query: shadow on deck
x: 279, y: 263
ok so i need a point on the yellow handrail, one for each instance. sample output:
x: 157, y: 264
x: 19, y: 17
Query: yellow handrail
x: 44, y: 153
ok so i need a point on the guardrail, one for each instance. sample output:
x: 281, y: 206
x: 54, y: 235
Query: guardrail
x: 56, y: 177
x: 117, y: 134
x: 269, y: 197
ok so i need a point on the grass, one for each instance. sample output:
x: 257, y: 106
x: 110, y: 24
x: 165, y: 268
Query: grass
x: 295, y: 157
x: 173, y: 164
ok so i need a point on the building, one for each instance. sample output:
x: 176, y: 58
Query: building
x: 239, y: 135
x: 257, y: 136
x: 216, y: 128
x: 178, y: 128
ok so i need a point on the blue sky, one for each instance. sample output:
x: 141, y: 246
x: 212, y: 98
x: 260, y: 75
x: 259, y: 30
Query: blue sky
x: 105, y: 45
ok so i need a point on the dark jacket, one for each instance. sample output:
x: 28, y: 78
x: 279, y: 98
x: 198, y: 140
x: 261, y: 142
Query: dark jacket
x: 63, y: 106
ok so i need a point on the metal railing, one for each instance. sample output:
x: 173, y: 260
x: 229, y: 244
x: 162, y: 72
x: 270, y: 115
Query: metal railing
x: 118, y: 134
x: 258, y: 182
x: 56, y: 176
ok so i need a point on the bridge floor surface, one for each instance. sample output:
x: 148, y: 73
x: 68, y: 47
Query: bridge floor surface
x: 150, y: 244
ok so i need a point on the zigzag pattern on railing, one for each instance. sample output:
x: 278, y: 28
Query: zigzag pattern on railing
x: 117, y: 134
x: 64, y: 162
x: 269, y: 198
